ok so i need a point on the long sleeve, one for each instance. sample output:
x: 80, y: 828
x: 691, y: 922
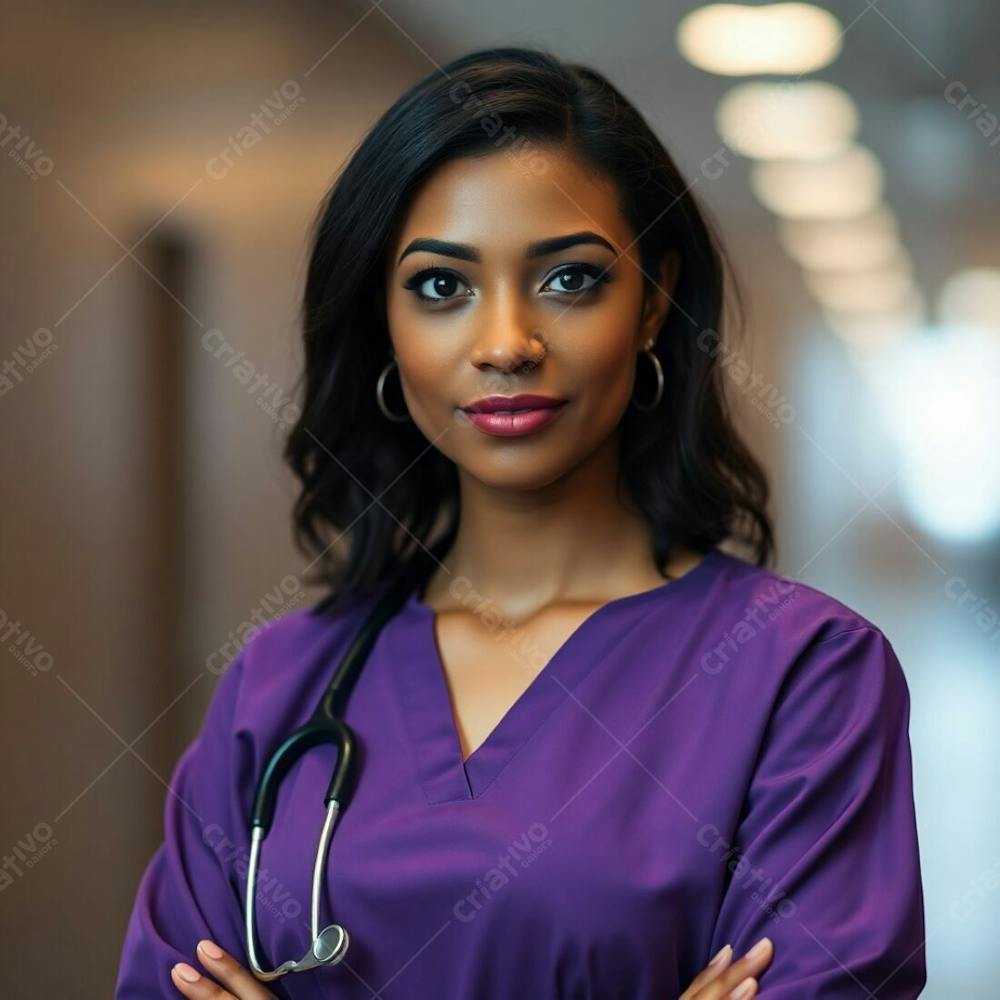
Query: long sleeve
x: 189, y: 889
x: 826, y: 860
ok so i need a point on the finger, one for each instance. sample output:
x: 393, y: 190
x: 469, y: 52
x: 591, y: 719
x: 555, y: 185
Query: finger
x: 738, y: 982
x: 720, y: 962
x: 191, y: 983
x: 745, y: 990
x: 242, y: 983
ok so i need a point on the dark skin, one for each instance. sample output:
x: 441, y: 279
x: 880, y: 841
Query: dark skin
x: 542, y: 535
x: 499, y: 316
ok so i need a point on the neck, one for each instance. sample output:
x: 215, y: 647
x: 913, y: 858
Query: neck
x: 572, y: 539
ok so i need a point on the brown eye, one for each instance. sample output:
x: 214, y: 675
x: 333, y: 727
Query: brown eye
x: 435, y: 285
x: 577, y: 278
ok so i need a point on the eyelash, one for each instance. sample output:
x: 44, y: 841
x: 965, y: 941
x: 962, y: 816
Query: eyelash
x: 599, y: 274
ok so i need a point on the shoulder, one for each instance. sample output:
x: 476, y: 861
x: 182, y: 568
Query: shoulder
x: 784, y: 631
x: 295, y: 632
x: 277, y: 661
x: 764, y: 598
x: 297, y: 635
x: 809, y: 670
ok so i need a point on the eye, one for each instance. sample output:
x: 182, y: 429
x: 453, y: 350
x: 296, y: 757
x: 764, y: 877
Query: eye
x: 434, y: 284
x: 576, y: 279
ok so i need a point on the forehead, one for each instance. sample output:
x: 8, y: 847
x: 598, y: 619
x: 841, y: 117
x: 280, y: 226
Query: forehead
x: 497, y: 203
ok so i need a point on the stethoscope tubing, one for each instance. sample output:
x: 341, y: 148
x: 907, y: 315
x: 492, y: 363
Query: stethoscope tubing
x: 324, y: 727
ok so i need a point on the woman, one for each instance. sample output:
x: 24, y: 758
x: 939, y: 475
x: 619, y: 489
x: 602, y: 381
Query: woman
x: 595, y: 749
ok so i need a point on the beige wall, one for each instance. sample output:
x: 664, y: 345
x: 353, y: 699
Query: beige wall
x: 130, y: 107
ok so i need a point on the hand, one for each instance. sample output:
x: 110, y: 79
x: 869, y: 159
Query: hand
x: 239, y: 983
x: 724, y: 982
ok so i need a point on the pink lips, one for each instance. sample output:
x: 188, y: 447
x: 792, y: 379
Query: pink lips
x: 510, y: 416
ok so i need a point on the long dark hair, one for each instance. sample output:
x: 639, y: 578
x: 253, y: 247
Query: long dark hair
x: 380, y: 485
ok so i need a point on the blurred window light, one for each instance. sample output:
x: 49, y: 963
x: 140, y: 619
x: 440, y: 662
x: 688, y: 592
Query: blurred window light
x: 940, y: 392
x: 840, y: 186
x: 738, y: 40
x: 770, y: 121
x: 971, y: 298
x: 858, y: 243
x: 861, y: 291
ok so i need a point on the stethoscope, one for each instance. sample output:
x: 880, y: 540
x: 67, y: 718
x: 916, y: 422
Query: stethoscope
x: 329, y: 946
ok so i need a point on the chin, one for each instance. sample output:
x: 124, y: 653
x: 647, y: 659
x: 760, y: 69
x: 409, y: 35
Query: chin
x: 517, y: 474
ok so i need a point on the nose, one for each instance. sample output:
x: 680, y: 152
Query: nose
x: 507, y: 341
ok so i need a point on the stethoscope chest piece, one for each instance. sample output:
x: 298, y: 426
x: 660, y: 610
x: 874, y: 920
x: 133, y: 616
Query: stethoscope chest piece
x: 329, y: 945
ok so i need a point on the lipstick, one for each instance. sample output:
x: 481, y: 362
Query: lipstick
x: 512, y: 416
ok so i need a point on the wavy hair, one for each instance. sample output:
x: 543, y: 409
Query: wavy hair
x: 379, y: 485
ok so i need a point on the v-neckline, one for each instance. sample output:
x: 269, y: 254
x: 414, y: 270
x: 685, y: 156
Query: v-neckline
x: 428, y: 713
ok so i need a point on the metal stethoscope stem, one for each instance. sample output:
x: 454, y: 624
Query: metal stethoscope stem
x: 329, y: 945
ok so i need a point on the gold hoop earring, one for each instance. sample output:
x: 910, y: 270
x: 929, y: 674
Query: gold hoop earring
x: 659, y: 381
x: 380, y: 390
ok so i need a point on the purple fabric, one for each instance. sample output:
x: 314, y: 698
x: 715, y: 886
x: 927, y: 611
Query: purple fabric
x: 716, y: 759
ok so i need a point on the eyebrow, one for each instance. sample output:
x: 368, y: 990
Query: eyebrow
x: 463, y: 251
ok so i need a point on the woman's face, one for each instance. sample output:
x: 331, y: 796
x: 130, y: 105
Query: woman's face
x: 491, y: 310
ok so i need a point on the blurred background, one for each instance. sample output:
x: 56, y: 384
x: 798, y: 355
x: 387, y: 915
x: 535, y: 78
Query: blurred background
x: 161, y: 167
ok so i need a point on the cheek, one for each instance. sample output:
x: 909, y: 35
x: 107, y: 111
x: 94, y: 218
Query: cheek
x: 601, y: 369
x: 425, y: 385
x: 427, y: 358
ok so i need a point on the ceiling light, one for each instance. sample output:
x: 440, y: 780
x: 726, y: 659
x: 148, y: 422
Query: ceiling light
x: 737, y: 40
x: 847, y: 184
x: 860, y: 291
x: 874, y: 329
x: 858, y: 243
x: 971, y: 298
x: 770, y: 121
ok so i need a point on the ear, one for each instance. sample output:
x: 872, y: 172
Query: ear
x: 659, y: 298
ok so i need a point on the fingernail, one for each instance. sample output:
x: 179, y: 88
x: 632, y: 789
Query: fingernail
x: 211, y: 949
x: 186, y: 973
x: 758, y: 949
x: 721, y: 954
x: 743, y: 990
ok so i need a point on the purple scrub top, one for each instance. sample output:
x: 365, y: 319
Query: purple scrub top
x: 719, y: 758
